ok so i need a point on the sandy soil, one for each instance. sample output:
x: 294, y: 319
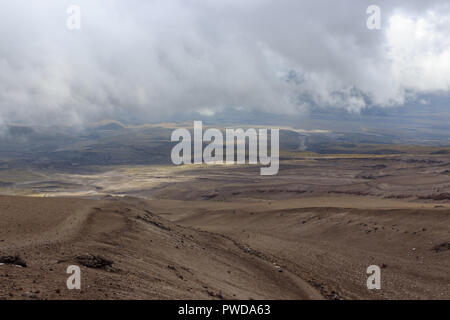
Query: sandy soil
x: 153, y: 258
x: 330, y: 242
x: 225, y: 232
x: 280, y: 249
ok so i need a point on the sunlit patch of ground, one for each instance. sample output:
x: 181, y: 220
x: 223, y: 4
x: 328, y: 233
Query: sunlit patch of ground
x: 119, y: 180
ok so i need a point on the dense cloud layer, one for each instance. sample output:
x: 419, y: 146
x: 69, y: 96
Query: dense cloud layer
x: 156, y: 58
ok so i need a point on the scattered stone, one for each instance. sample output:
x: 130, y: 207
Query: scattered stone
x: 278, y: 268
x: 442, y: 247
x: 96, y: 262
x: 216, y: 295
x: 13, y: 260
x: 437, y: 197
x: 30, y: 295
x: 333, y: 295
x: 209, y: 196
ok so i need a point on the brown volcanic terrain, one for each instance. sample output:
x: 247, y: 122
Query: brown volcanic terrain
x: 226, y: 232
x: 152, y: 257
x: 331, y: 241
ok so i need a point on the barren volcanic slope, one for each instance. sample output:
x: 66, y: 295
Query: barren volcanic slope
x: 330, y: 242
x: 224, y: 232
x: 151, y: 257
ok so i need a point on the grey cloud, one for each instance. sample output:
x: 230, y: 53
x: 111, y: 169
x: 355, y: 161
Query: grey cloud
x: 155, y: 58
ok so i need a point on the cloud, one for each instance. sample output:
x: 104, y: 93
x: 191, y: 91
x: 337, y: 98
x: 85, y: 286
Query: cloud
x: 420, y: 50
x: 160, y: 58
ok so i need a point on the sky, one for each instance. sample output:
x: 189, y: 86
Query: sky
x: 151, y: 59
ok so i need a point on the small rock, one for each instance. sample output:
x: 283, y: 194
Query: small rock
x: 92, y: 261
x: 14, y: 260
x: 30, y: 295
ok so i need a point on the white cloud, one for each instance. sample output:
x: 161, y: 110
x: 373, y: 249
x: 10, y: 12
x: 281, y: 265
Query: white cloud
x: 420, y: 51
x: 153, y: 58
